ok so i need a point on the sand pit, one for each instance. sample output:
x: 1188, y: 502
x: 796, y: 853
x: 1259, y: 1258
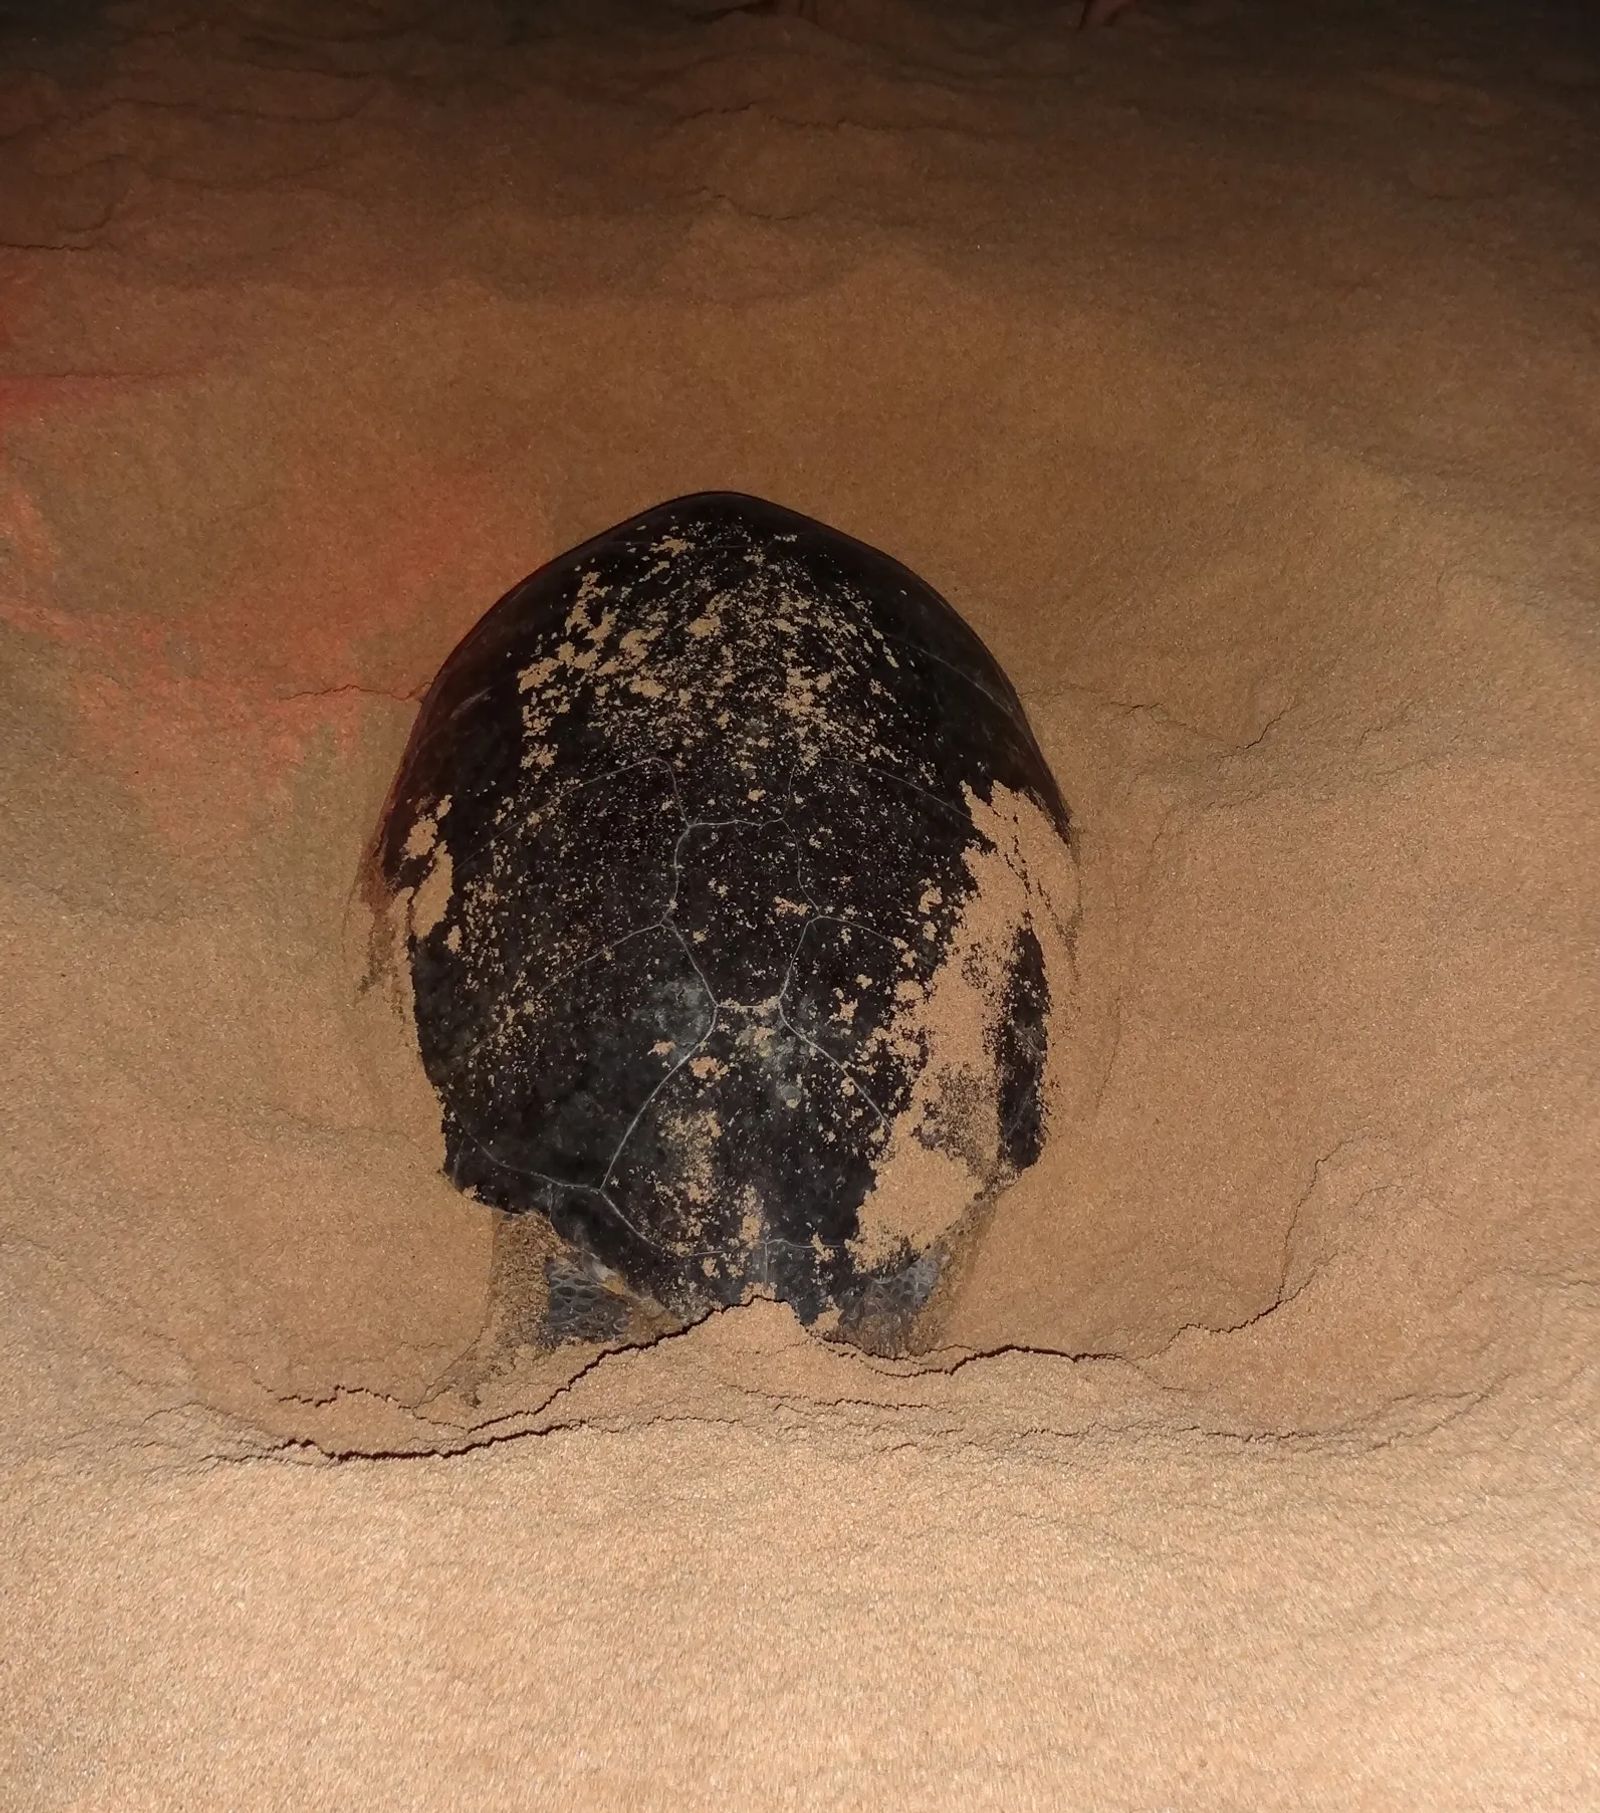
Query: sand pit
x: 1232, y: 370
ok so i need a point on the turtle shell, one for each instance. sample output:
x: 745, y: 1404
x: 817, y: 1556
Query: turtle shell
x: 733, y: 894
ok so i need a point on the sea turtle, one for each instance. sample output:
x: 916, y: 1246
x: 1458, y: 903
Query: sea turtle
x: 731, y: 898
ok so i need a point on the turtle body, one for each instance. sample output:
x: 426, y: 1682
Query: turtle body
x: 731, y: 896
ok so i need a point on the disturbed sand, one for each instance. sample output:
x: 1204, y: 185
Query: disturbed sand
x: 1233, y: 371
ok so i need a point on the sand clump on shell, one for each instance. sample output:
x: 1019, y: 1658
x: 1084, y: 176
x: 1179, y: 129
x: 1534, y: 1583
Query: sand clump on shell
x: 1024, y: 875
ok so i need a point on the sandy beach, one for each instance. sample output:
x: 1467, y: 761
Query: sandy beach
x: 1232, y: 369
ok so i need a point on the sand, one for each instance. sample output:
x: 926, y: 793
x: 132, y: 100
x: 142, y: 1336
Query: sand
x: 1232, y: 369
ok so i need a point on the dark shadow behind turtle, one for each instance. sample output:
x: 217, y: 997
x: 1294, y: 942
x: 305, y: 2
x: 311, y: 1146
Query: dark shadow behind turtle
x: 730, y: 900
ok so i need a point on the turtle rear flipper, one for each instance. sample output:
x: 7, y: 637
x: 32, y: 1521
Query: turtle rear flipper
x: 541, y: 1295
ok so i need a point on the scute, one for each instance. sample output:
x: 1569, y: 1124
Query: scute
x: 736, y: 897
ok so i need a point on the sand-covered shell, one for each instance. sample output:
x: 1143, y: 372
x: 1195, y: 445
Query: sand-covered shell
x: 731, y: 896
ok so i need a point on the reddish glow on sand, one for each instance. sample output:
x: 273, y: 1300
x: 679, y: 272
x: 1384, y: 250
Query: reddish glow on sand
x: 206, y: 717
